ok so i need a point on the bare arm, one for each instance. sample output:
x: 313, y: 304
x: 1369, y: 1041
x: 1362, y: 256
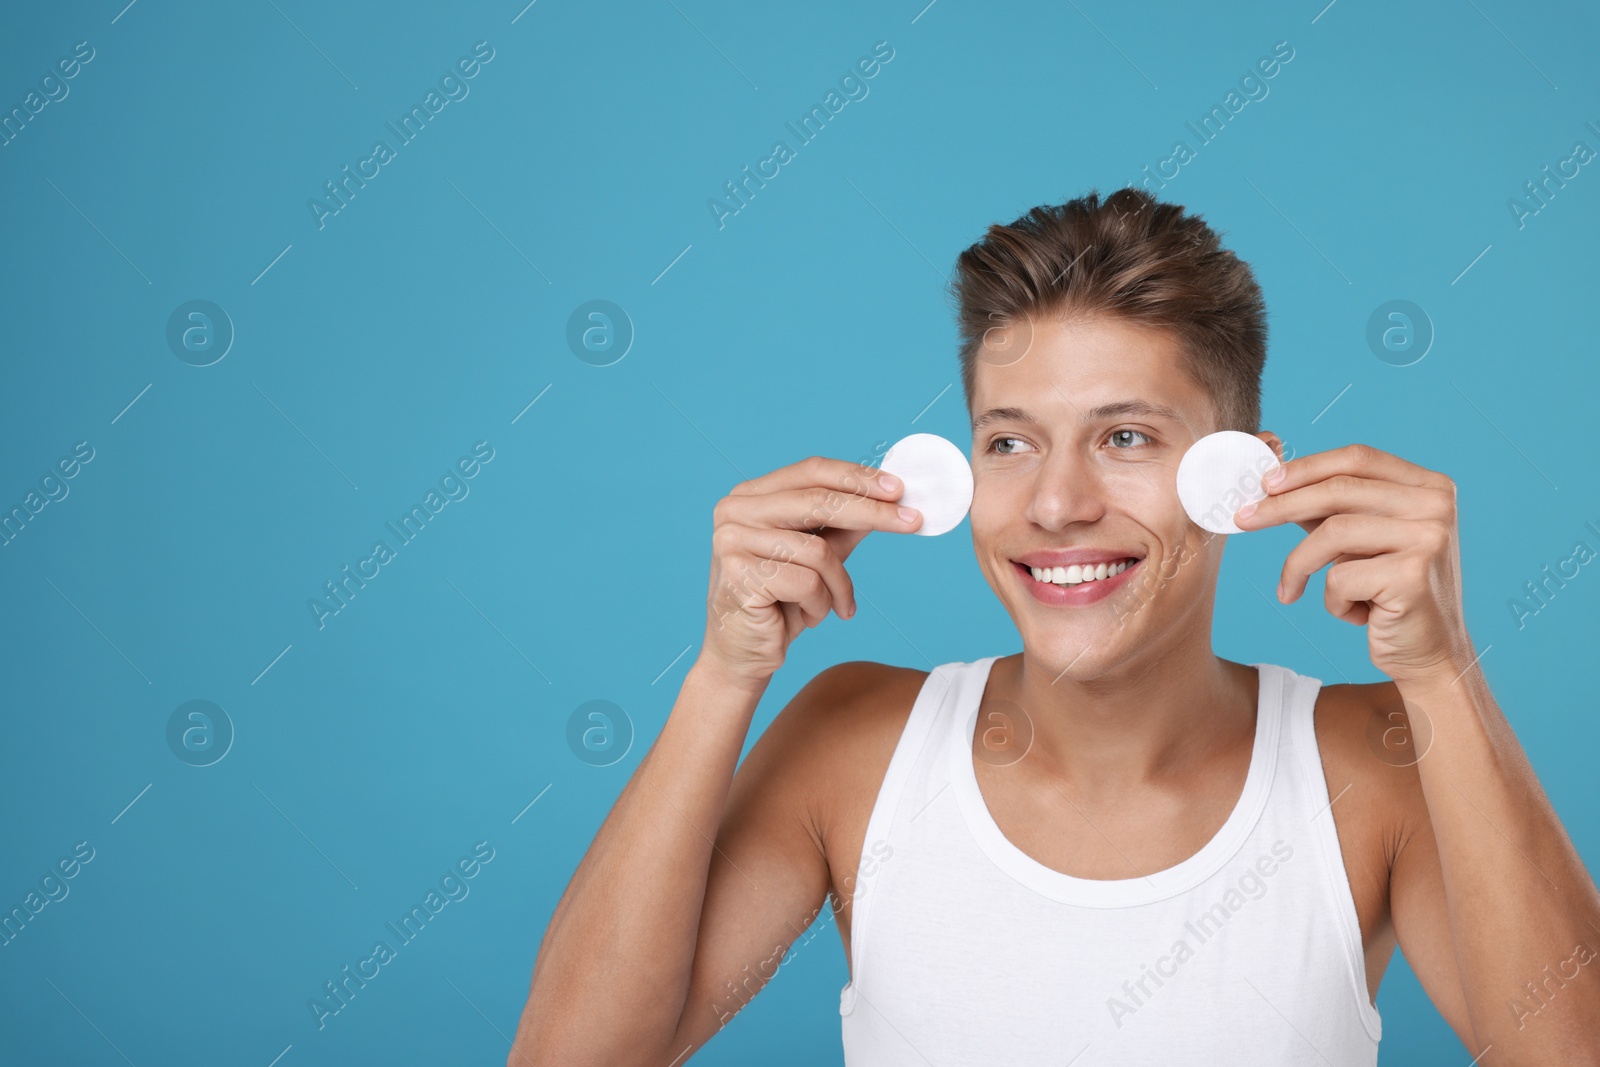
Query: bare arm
x: 624, y: 930
x: 695, y: 876
x: 1521, y: 911
x: 1500, y: 882
x: 769, y: 875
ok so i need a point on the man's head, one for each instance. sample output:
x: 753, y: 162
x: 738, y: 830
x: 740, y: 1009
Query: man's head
x: 1128, y: 257
x: 1100, y: 339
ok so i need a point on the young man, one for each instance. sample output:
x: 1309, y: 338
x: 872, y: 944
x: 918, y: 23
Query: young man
x: 1113, y: 847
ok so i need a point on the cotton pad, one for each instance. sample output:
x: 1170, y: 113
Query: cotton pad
x: 1220, y: 474
x: 937, y: 477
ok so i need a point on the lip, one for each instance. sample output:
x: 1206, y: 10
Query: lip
x: 1075, y: 595
x: 1066, y: 557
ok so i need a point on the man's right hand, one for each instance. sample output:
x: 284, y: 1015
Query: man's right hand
x: 778, y: 547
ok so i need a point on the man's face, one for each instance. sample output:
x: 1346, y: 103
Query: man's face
x: 1085, y: 466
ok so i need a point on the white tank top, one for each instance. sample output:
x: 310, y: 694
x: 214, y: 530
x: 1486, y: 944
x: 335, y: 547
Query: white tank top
x: 964, y: 950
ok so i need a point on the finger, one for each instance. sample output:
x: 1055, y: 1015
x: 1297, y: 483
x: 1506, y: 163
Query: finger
x: 1362, y: 461
x: 744, y: 579
x: 1346, y: 535
x: 794, y: 620
x: 1352, y: 586
x: 1340, y: 493
x: 837, y: 474
x: 791, y: 584
x: 791, y: 546
x: 815, y: 508
x: 752, y: 582
x: 844, y: 542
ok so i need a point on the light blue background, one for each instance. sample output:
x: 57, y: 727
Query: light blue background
x: 431, y: 310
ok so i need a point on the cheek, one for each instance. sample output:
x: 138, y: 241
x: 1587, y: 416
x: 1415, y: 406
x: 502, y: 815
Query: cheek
x: 1149, y: 495
x: 993, y: 501
x: 1151, y: 492
x: 1190, y: 558
x: 1175, y: 529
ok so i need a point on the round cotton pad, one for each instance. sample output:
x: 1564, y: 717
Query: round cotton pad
x: 937, y: 477
x: 1220, y: 474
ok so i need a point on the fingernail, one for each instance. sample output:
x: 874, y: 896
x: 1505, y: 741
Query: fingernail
x: 1275, y: 475
x: 1247, y: 511
x: 889, y: 482
x: 909, y: 514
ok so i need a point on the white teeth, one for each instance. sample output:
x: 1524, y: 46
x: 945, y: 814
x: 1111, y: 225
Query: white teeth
x: 1077, y: 574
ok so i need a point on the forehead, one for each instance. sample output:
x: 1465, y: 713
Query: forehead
x: 1052, y: 366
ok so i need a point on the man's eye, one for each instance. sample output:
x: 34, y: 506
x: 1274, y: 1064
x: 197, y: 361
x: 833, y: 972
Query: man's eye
x: 994, y: 446
x: 1119, y: 438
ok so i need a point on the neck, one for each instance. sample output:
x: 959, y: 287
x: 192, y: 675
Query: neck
x: 1139, y: 722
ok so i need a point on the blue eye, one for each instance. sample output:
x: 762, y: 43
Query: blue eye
x: 1117, y: 435
x: 1122, y: 441
x: 993, y: 445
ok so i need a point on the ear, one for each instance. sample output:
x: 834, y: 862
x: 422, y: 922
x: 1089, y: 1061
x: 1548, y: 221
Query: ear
x: 1274, y: 442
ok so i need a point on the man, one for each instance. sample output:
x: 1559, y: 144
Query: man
x: 1113, y: 846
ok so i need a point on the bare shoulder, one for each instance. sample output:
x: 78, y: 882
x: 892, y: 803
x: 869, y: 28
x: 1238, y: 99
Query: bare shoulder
x: 1369, y: 749
x: 840, y: 731
x: 835, y: 740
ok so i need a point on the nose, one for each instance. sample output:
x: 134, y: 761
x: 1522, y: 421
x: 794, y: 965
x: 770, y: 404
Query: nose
x: 1066, y: 489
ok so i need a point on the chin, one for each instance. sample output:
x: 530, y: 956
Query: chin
x: 1070, y: 646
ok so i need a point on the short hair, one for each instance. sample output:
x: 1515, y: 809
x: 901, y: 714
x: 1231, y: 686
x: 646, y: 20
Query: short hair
x: 1132, y: 257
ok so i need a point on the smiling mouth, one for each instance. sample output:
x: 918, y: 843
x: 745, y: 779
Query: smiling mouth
x: 1077, y: 574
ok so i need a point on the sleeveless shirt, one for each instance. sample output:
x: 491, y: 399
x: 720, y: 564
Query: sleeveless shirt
x: 965, y: 950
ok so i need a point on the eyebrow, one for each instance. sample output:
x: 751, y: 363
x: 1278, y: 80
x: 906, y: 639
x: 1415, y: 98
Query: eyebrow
x: 1115, y: 410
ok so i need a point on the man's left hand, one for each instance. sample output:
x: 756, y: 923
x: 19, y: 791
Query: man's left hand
x: 1388, y: 527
